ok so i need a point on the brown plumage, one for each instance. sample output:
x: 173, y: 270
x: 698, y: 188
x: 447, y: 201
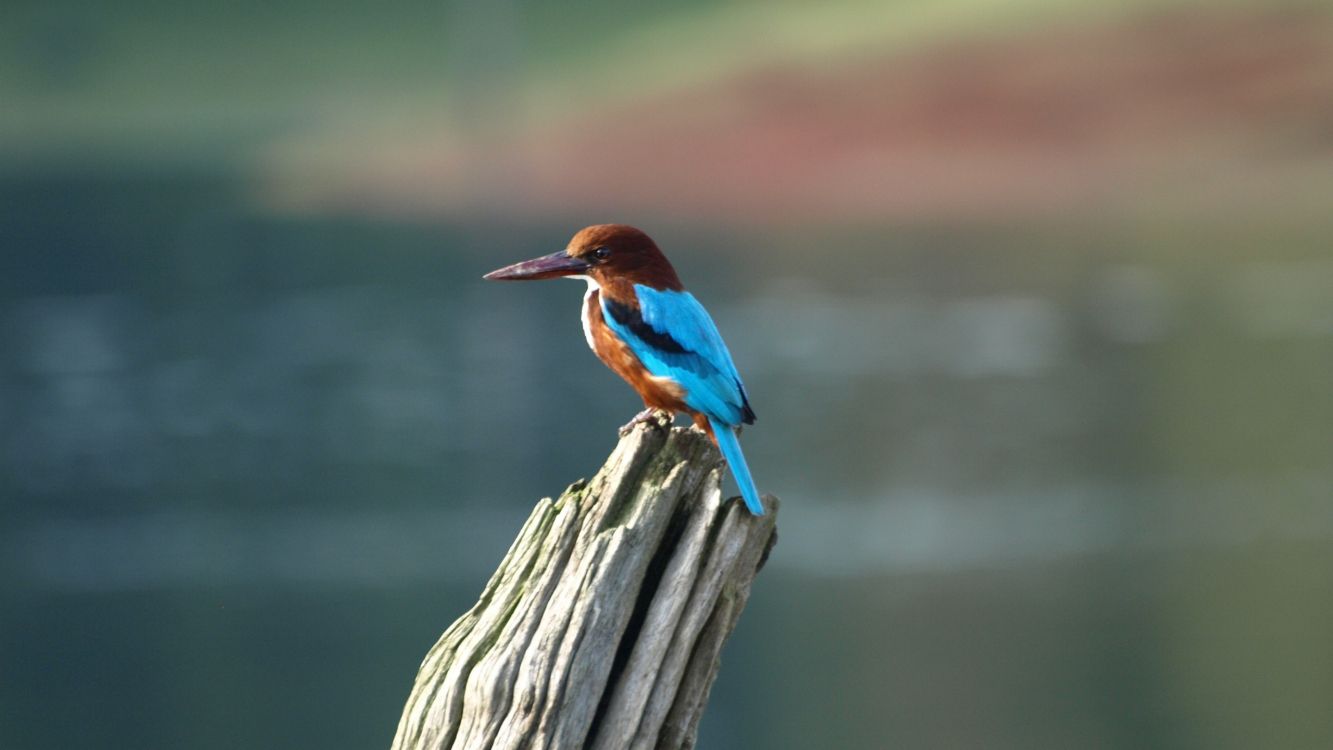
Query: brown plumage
x: 631, y: 258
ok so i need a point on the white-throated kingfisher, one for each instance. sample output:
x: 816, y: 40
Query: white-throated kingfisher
x: 640, y: 321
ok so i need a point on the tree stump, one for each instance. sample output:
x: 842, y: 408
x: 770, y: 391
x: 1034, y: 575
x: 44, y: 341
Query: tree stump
x: 604, y: 624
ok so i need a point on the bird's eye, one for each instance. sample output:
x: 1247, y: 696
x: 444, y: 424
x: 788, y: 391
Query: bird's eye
x: 602, y: 253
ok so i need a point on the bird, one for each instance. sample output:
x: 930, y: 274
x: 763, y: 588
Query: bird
x: 639, y: 320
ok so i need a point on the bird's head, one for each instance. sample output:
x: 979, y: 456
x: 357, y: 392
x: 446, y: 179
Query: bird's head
x: 609, y: 254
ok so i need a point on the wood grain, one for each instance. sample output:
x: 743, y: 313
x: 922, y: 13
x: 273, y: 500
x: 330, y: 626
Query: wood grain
x: 603, y: 626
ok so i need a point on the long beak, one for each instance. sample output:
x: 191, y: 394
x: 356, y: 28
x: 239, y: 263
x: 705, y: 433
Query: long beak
x: 550, y: 266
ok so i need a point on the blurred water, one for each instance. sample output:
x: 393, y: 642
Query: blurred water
x: 1040, y: 490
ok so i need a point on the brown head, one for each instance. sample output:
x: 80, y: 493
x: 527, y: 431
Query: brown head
x: 613, y: 255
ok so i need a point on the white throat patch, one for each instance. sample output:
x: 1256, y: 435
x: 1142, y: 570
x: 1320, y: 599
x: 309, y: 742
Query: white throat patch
x: 587, y: 298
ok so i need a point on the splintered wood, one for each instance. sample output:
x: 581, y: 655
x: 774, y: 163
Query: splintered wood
x: 604, y: 624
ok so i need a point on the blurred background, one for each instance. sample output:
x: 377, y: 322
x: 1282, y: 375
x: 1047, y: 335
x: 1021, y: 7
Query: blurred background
x: 1034, y: 301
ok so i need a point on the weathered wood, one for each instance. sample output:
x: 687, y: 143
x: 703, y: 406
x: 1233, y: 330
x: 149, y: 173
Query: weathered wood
x: 603, y: 626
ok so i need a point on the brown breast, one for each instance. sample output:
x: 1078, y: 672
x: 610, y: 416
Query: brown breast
x: 660, y: 393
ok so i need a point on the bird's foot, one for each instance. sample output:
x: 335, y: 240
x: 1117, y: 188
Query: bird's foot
x: 661, y: 419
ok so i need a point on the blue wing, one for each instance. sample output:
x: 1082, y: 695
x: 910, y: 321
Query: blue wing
x: 674, y: 337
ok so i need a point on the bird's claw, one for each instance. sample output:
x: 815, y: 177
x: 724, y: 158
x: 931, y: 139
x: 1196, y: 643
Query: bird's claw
x: 650, y: 416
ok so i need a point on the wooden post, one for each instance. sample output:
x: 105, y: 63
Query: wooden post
x: 604, y: 624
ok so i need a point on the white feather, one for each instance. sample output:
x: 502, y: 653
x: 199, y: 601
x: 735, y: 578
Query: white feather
x: 587, y: 299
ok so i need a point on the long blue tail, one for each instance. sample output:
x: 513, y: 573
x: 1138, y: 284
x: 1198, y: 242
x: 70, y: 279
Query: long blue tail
x: 731, y: 450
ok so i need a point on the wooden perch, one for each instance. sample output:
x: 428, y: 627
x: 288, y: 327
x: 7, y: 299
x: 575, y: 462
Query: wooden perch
x: 604, y: 624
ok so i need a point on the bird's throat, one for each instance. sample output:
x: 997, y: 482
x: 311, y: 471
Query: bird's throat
x: 590, y: 298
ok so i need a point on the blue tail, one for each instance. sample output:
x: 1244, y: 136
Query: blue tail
x: 731, y: 450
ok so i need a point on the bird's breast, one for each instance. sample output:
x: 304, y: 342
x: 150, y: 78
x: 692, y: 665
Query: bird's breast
x: 657, y: 391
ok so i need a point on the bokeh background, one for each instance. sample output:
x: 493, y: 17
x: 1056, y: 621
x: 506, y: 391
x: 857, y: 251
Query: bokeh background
x: 1034, y: 300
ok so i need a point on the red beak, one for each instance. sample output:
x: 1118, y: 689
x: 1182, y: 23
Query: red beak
x: 550, y: 266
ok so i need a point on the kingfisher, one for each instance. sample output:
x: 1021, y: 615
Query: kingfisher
x: 639, y: 320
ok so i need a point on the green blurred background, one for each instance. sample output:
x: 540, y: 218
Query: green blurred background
x: 1034, y: 300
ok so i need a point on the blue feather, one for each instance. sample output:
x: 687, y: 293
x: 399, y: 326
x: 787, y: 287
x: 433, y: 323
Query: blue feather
x: 731, y: 450
x: 674, y: 337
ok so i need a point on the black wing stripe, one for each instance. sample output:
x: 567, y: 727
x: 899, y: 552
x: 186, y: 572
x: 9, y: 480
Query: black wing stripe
x: 747, y: 414
x: 632, y: 319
